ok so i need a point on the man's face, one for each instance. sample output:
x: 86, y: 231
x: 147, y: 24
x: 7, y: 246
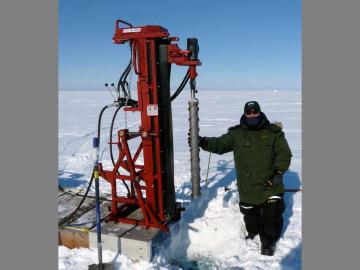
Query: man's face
x: 252, y: 113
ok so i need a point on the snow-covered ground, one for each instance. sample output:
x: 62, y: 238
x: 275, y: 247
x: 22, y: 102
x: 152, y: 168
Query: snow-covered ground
x: 210, y: 234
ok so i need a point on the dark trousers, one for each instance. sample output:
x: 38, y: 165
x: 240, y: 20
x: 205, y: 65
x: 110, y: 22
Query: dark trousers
x: 265, y: 219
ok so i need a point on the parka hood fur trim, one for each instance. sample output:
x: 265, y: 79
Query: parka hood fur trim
x: 265, y: 123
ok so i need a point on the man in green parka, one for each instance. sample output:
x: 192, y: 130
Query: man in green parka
x: 261, y: 156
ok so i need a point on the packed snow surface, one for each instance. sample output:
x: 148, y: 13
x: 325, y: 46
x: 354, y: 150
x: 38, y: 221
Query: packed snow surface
x: 211, y: 232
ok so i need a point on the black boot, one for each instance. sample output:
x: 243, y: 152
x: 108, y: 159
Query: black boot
x: 252, y: 219
x: 268, y: 249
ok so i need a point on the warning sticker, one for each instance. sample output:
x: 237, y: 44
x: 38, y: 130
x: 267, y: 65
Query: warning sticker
x: 132, y: 30
x: 152, y: 110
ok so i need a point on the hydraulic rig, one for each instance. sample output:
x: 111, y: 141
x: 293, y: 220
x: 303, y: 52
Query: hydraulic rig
x: 150, y: 183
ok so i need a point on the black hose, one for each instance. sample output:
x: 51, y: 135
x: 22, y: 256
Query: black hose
x: 127, y: 86
x: 92, y: 175
x: 128, y: 69
x: 111, y: 131
x: 99, y: 122
x: 110, y: 142
x: 93, y: 224
x: 125, y: 75
x: 122, y: 79
x: 80, y: 204
x: 181, y: 86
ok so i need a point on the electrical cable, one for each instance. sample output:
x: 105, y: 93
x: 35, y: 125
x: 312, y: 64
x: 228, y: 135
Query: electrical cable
x: 207, y: 173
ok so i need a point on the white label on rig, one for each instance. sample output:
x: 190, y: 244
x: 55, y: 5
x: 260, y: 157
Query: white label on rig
x: 152, y: 110
x: 132, y: 30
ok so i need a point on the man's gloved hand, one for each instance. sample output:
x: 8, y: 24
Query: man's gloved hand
x: 277, y: 179
x: 202, y: 141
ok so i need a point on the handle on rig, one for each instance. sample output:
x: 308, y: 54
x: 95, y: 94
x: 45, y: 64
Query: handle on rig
x: 123, y: 22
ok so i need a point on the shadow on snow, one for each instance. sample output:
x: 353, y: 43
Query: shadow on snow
x: 291, y: 181
x: 71, y: 180
x: 292, y: 260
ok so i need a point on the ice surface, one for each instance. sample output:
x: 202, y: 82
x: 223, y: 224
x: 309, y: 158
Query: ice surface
x: 210, y: 234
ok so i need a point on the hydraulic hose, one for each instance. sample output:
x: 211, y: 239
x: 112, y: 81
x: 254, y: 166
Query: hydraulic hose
x: 123, y: 78
x: 99, y: 121
x: 62, y: 222
x: 93, y: 224
x: 111, y: 132
x: 181, y: 86
x: 110, y: 142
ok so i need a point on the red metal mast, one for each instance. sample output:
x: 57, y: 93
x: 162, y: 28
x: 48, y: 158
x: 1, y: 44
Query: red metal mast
x: 152, y: 183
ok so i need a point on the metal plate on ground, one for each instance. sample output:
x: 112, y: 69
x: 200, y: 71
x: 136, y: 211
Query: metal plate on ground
x: 131, y: 240
x: 137, y: 243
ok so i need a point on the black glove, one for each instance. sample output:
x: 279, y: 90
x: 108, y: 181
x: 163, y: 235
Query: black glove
x: 202, y: 141
x: 275, y: 180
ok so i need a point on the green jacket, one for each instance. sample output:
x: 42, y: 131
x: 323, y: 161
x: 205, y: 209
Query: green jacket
x: 257, y: 154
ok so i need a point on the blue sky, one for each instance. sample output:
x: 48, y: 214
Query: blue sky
x: 244, y: 44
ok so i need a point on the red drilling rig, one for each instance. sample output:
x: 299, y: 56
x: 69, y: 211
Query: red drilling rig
x: 151, y: 185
